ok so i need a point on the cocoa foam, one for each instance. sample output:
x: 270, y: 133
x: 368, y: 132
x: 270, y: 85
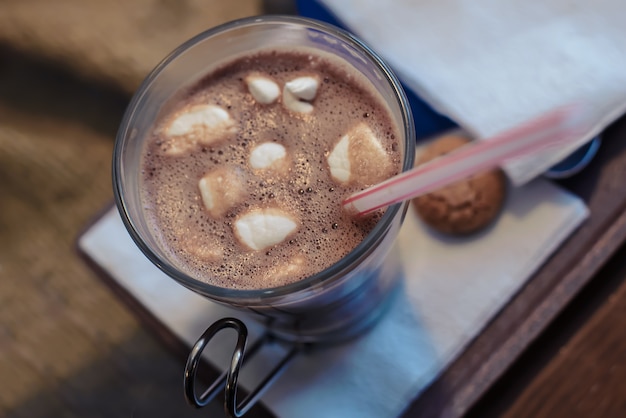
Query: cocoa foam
x: 206, y: 247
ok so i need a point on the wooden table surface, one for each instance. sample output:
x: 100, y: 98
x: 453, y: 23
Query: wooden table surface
x: 70, y: 348
x: 577, y: 368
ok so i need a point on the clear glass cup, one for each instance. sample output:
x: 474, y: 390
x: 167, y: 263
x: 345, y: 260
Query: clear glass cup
x: 331, y: 306
x: 334, y: 304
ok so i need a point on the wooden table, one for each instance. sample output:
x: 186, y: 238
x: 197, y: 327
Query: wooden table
x: 69, y: 347
x: 577, y: 367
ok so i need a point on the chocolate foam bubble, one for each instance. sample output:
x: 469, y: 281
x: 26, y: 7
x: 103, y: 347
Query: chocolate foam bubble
x: 304, y: 188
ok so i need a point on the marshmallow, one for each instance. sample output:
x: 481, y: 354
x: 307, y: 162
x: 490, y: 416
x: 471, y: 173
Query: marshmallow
x: 267, y: 155
x: 294, y: 104
x: 304, y: 88
x: 180, y: 145
x: 202, y: 246
x: 294, y: 268
x: 221, y: 189
x: 262, y: 228
x: 339, y: 160
x: 203, y: 124
x: 298, y: 92
x: 205, y: 117
x: 204, y: 251
x: 359, y: 156
x: 263, y: 89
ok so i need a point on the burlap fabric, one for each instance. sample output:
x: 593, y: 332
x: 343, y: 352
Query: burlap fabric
x: 114, y: 41
x: 68, y: 346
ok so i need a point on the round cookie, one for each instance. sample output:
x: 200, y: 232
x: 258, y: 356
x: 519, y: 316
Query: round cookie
x: 463, y: 207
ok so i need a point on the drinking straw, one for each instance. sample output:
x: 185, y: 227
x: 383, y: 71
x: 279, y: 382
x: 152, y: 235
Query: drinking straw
x: 548, y: 131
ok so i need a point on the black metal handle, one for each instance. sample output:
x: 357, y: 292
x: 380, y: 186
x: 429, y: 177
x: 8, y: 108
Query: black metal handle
x: 229, y: 379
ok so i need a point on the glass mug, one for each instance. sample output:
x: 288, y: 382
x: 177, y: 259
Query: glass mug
x: 331, y: 306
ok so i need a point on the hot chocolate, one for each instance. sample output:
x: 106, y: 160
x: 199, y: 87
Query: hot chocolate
x: 244, y: 173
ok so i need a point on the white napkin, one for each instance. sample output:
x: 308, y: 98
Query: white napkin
x: 450, y: 293
x: 491, y: 64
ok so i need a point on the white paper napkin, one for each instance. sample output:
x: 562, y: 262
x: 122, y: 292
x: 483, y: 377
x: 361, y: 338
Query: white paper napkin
x: 490, y: 64
x: 452, y: 288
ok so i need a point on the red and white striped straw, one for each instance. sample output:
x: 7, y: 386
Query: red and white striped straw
x: 553, y: 129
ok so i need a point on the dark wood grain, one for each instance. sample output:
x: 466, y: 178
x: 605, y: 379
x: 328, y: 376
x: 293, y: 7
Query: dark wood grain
x: 587, y: 377
x: 576, y: 368
x: 602, y: 187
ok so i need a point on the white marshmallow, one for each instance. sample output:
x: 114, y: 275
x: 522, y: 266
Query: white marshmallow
x: 221, y: 189
x: 359, y: 156
x: 203, y: 124
x: 204, y: 251
x: 263, y: 89
x: 266, y: 155
x: 201, y: 245
x: 339, y: 160
x: 304, y: 88
x: 200, y: 116
x: 262, y: 228
x: 293, y: 103
x: 293, y: 268
x: 179, y: 145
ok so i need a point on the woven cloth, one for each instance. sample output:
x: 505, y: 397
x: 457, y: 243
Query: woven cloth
x: 68, y: 346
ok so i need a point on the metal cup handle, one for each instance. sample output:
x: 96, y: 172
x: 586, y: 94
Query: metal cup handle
x: 228, y: 380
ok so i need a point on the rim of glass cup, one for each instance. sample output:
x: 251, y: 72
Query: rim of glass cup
x: 318, y: 279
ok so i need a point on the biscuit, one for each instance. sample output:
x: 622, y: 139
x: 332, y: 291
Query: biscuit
x: 463, y: 207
